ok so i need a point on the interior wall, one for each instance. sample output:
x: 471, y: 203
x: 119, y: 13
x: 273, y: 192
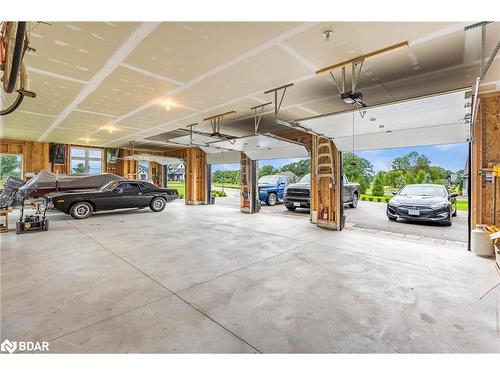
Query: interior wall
x: 35, y: 154
x: 485, y: 155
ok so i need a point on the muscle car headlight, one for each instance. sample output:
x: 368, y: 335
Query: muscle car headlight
x: 437, y: 206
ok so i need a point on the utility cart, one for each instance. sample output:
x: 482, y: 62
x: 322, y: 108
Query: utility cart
x: 37, y: 221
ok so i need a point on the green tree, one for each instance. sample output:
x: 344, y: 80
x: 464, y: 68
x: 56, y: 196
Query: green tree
x: 79, y: 169
x: 362, y: 185
x: 267, y: 170
x: 427, y: 179
x: 461, y: 186
x: 299, y: 168
x: 378, y: 185
x: 420, y: 176
x: 10, y: 165
x: 357, y: 169
x: 400, y: 182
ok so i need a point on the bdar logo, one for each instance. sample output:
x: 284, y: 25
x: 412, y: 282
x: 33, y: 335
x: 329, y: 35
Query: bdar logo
x: 8, y: 346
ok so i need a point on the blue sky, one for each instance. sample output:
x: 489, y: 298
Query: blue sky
x: 451, y: 156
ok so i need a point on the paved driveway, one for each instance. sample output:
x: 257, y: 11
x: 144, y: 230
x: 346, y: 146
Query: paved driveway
x: 372, y: 215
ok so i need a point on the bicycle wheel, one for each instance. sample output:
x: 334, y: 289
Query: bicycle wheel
x: 14, y: 49
x: 10, y: 102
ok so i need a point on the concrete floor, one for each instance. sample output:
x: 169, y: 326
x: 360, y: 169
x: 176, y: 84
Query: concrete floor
x: 211, y: 279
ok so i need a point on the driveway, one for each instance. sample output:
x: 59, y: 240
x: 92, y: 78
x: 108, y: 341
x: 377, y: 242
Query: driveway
x: 369, y: 215
x: 372, y: 215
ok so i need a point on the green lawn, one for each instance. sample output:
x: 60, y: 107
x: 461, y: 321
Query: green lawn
x: 179, y: 186
x: 462, y: 205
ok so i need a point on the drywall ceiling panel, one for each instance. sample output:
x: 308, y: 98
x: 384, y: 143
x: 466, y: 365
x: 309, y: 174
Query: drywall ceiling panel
x: 124, y: 90
x: 109, y: 135
x: 53, y: 95
x: 271, y: 68
x: 84, y: 122
x: 393, y: 121
x: 444, y: 134
x: 155, y: 116
x: 351, y: 39
x: 76, y: 49
x: 69, y: 135
x: 26, y: 121
x: 183, y: 51
x: 13, y: 133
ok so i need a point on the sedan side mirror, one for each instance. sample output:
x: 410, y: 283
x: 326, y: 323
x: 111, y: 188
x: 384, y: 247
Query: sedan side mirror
x: 454, y: 195
x: 394, y: 193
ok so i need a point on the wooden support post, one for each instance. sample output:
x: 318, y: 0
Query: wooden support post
x: 325, y: 196
x: 248, y: 185
x: 485, y: 155
x: 196, y: 176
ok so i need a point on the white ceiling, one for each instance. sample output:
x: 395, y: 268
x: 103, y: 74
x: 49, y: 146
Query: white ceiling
x: 106, y: 84
x: 437, y: 119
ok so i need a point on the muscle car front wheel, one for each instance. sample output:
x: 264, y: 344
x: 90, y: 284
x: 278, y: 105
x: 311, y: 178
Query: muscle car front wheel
x: 157, y: 204
x: 81, y: 210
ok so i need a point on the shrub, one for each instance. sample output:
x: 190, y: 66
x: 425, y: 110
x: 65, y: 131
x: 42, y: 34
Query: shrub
x: 218, y: 193
x: 181, y: 195
x: 379, y: 199
x: 387, y: 200
x: 370, y: 199
x: 378, y: 187
x: 363, y: 198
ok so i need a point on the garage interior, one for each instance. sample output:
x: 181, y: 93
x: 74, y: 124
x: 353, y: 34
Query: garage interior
x: 206, y: 278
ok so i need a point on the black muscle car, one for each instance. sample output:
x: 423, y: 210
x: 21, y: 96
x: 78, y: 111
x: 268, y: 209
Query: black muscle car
x: 115, y: 194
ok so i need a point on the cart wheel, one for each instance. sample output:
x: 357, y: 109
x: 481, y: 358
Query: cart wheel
x: 46, y: 225
x: 18, y: 227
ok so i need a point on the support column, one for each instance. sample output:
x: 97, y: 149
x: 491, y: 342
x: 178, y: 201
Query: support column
x: 485, y: 156
x: 248, y: 185
x: 196, y: 176
x: 326, y: 197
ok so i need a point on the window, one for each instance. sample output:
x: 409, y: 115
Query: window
x: 85, y: 161
x: 129, y: 187
x: 10, y: 165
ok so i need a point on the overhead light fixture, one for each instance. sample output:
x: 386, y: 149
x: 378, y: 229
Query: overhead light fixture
x: 327, y: 34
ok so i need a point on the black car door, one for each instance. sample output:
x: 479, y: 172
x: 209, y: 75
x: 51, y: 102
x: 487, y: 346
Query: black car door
x: 125, y: 195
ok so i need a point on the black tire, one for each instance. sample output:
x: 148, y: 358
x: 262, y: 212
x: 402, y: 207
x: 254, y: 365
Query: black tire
x: 355, y: 199
x: 291, y: 208
x: 14, y: 106
x: 46, y: 225
x: 391, y: 218
x: 157, y: 204
x: 454, y: 214
x: 17, y: 57
x: 81, y: 210
x: 271, y: 199
x: 18, y: 227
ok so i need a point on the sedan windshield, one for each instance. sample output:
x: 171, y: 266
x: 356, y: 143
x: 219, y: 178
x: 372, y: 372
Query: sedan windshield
x: 424, y: 190
x: 110, y: 186
x: 268, y: 180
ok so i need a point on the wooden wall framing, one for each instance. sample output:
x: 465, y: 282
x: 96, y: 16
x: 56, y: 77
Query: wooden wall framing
x: 196, y: 176
x: 485, y: 154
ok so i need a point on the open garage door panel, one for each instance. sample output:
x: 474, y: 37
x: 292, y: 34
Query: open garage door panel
x: 431, y: 120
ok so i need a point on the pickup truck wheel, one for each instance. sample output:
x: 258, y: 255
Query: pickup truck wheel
x: 291, y: 208
x: 354, y: 202
x: 271, y: 199
x: 157, y: 204
x: 81, y: 210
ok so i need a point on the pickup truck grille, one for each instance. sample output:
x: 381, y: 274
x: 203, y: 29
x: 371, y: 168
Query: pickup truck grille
x: 297, y: 193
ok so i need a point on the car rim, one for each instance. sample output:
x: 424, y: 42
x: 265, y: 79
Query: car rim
x: 355, y: 200
x: 158, y: 204
x: 272, y: 199
x: 82, y: 210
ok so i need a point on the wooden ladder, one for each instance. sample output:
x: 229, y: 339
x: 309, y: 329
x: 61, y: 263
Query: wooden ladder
x: 324, y: 169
